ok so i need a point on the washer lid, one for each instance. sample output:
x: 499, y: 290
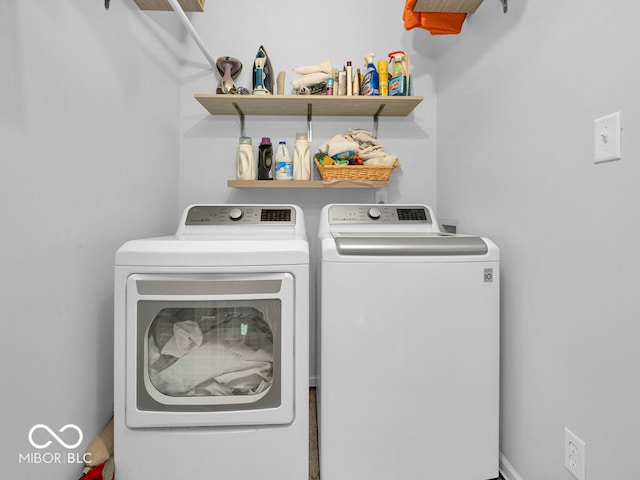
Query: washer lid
x: 435, y: 244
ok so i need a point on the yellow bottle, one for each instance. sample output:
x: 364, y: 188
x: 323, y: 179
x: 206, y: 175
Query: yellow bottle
x: 383, y: 74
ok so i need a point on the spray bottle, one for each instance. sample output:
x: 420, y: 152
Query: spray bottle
x: 370, y: 83
x: 399, y: 81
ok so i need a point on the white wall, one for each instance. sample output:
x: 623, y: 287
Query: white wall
x: 332, y: 30
x: 517, y: 96
x: 94, y: 104
x: 89, y: 147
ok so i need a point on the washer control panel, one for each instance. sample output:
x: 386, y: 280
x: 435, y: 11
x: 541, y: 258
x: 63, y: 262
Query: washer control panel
x: 219, y: 215
x: 378, y: 213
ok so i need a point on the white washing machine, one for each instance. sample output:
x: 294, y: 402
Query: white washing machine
x: 409, y: 347
x: 211, y: 348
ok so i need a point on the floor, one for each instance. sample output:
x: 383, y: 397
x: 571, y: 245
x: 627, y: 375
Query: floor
x: 314, y: 467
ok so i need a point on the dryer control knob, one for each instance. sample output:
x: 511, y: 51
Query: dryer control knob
x: 374, y: 213
x: 235, y: 214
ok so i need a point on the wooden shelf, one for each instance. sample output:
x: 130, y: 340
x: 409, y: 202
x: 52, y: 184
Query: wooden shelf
x: 449, y: 6
x: 218, y: 104
x: 306, y: 184
x: 187, y: 5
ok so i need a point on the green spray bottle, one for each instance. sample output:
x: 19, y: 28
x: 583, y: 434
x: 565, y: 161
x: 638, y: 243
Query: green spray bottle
x: 399, y: 73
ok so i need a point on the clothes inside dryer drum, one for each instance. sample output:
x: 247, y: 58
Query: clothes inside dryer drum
x: 215, y: 351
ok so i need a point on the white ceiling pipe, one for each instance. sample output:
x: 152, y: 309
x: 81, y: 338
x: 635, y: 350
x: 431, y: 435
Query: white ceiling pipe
x: 192, y: 31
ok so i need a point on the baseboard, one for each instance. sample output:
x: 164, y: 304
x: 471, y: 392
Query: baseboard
x: 507, y: 470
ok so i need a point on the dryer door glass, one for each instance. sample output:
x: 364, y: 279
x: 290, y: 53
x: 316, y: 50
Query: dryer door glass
x: 215, y: 349
x: 215, y: 346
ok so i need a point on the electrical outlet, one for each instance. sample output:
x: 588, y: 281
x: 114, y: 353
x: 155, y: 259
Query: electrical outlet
x: 574, y: 454
x: 380, y: 196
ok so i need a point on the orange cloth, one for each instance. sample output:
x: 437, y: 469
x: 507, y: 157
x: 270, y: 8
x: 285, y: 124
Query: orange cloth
x: 437, y: 23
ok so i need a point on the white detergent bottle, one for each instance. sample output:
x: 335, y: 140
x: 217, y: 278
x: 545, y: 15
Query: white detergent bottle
x: 301, y: 157
x: 246, y: 169
x: 284, y: 166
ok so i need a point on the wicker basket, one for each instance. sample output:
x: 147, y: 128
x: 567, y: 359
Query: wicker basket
x: 354, y: 172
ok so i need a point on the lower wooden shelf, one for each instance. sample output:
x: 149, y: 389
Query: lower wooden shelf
x: 307, y: 184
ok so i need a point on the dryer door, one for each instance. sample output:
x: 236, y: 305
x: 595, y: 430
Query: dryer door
x: 209, y: 349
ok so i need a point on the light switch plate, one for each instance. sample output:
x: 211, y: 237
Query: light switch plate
x: 608, y: 138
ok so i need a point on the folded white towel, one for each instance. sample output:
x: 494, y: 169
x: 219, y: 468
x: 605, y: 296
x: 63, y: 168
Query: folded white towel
x: 324, y: 67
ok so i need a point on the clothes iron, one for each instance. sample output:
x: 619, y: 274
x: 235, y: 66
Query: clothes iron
x: 262, y: 73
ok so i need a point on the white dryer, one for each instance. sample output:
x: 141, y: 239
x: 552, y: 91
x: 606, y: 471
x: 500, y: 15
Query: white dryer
x: 409, y: 347
x: 211, y: 348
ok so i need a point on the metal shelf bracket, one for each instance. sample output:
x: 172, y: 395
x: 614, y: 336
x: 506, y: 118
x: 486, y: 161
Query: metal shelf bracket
x: 241, y: 116
x: 375, y: 120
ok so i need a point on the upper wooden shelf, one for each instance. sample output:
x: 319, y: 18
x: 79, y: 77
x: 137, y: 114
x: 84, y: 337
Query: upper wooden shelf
x: 450, y: 6
x: 323, y: 105
x: 187, y: 5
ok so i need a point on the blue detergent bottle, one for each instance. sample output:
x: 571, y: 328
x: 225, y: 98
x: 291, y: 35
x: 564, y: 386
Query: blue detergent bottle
x: 370, y: 82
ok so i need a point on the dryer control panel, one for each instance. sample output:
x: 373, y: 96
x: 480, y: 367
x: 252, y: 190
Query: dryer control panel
x: 224, y: 215
x: 377, y: 213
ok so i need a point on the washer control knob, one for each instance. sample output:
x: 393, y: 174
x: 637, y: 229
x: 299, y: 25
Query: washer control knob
x: 235, y: 214
x: 374, y: 213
